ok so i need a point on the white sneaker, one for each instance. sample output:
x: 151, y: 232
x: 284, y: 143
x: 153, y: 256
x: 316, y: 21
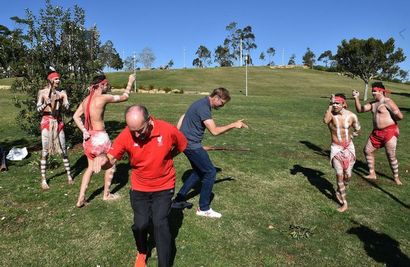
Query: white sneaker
x: 208, y: 213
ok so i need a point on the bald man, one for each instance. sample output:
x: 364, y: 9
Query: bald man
x: 151, y: 145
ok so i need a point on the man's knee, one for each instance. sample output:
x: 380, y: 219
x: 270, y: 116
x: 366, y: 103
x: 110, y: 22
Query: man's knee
x: 140, y: 225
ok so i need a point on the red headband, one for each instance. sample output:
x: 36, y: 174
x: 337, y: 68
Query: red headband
x: 53, y: 76
x: 94, y: 86
x: 378, y: 89
x: 339, y: 100
x: 386, y: 91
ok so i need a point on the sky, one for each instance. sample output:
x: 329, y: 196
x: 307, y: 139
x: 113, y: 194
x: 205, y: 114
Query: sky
x: 175, y: 29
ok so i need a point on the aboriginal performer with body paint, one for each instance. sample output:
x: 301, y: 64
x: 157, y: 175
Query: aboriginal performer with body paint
x: 385, y: 128
x: 342, y: 151
x: 50, y: 102
x: 96, y: 140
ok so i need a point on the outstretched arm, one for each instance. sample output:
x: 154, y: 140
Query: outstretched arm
x: 125, y: 95
x: 217, y: 130
x: 358, y: 105
x: 103, y: 161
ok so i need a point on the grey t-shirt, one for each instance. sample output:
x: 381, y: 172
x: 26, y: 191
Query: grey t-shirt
x: 193, y: 126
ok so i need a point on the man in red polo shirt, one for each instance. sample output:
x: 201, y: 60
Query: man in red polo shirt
x: 151, y: 145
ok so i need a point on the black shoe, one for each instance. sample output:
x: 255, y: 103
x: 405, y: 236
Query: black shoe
x: 181, y: 205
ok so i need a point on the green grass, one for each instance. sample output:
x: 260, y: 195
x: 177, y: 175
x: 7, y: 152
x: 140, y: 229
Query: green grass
x: 285, y: 180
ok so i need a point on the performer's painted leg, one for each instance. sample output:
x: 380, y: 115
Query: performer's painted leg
x: 81, y: 202
x: 66, y: 162
x: 109, y: 175
x: 391, y: 156
x: 370, y: 159
x: 43, y: 160
x: 341, y: 189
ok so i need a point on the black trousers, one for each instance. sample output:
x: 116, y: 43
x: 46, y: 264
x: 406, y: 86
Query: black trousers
x: 152, y: 207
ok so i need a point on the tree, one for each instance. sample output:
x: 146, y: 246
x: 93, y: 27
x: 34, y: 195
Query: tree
x: 57, y: 38
x: 368, y: 59
x: 262, y: 56
x: 236, y: 37
x: 204, y: 57
x: 223, y: 57
x: 170, y: 64
x: 197, y: 63
x: 309, y: 58
x: 109, y: 57
x: 12, y: 52
x: 292, y: 60
x: 271, y: 52
x: 403, y: 75
x: 129, y: 64
x: 325, y: 57
x: 147, y: 57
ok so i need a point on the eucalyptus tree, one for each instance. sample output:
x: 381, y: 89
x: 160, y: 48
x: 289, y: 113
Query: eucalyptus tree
x: 203, y: 57
x: 147, y: 57
x: 292, y: 60
x: 326, y: 56
x: 223, y: 57
x: 368, y: 59
x: 239, y: 40
x: 309, y: 58
x: 262, y: 57
x: 271, y: 52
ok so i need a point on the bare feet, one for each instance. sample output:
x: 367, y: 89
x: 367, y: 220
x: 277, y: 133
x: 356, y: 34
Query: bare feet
x: 81, y: 203
x: 343, y: 208
x: 44, y: 185
x: 111, y: 197
x: 397, y: 180
x: 371, y: 176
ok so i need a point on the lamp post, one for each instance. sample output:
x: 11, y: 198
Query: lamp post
x: 246, y: 73
x: 135, y: 73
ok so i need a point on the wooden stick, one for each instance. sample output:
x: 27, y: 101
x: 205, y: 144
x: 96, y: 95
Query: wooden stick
x: 222, y: 148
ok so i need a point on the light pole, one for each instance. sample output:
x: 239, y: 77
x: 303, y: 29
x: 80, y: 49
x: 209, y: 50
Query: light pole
x: 135, y: 73
x: 246, y: 74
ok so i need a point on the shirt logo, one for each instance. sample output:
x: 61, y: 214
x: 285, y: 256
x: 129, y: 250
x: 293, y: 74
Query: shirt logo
x: 135, y: 144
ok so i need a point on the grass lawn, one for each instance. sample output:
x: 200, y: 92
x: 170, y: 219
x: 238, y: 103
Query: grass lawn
x: 277, y: 200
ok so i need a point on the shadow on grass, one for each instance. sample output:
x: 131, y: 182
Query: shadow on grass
x: 360, y: 168
x: 80, y: 165
x: 22, y: 142
x: 402, y: 94
x: 196, y: 190
x: 316, y: 179
x: 381, y: 247
x: 120, y: 179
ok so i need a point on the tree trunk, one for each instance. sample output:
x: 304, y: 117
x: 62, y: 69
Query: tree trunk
x: 365, y: 90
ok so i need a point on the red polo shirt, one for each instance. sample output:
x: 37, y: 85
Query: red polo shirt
x: 151, y: 161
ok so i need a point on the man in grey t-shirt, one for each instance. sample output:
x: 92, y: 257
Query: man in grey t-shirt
x: 193, y: 124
